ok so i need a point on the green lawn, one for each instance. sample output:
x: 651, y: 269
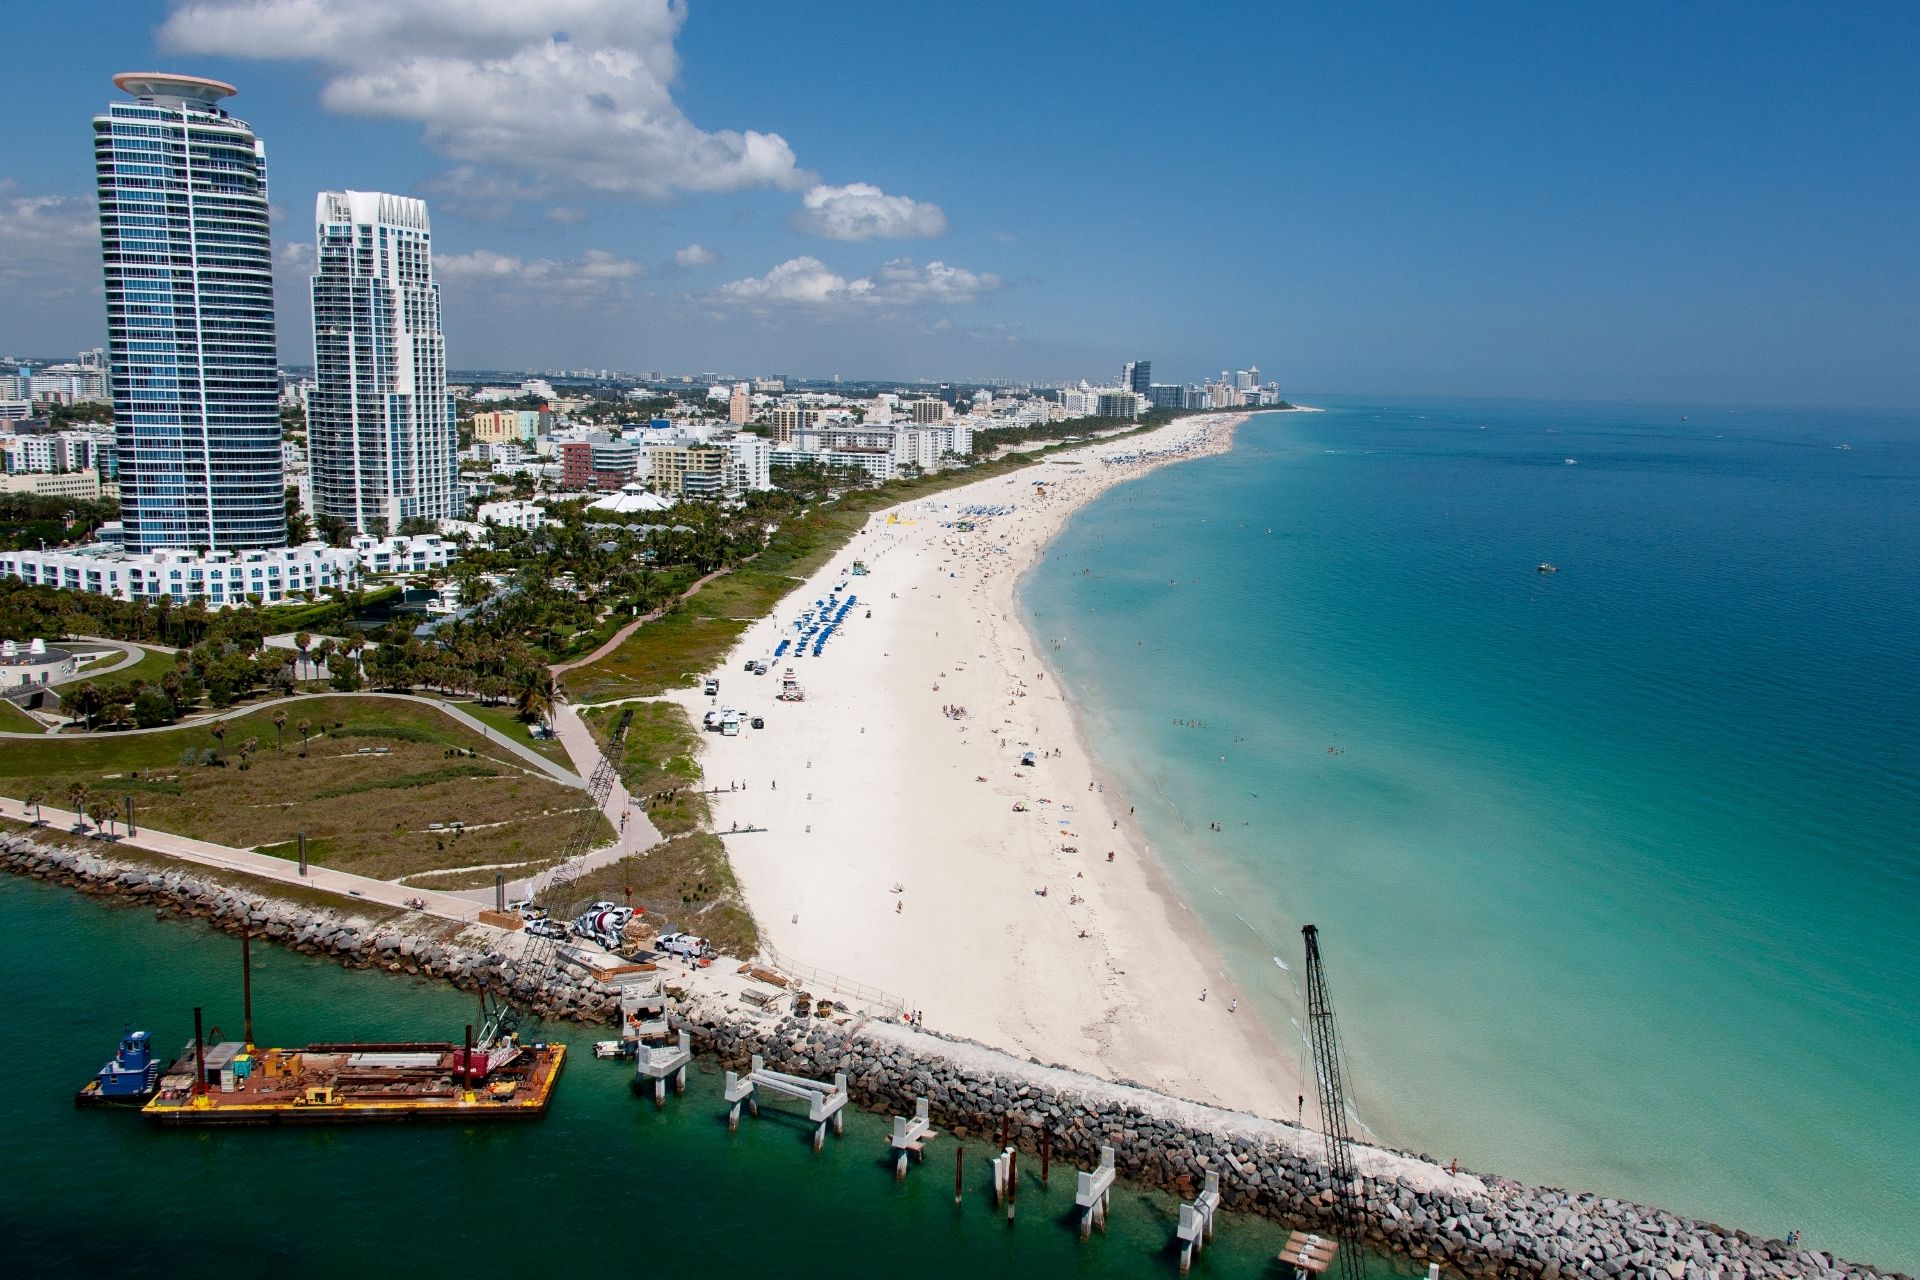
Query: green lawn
x: 373, y: 777
x: 505, y: 721
x: 14, y: 720
x: 661, y: 763
x: 152, y: 665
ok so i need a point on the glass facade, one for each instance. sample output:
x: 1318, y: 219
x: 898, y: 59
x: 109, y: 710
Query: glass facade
x: 189, y: 284
x: 380, y: 424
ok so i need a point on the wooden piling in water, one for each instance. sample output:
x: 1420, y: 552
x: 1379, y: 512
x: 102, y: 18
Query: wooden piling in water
x: 959, y: 1164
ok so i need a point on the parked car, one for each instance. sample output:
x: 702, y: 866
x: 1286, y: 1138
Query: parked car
x: 713, y: 688
x: 759, y: 668
x: 711, y: 720
x: 759, y: 722
x: 547, y: 929
x: 747, y: 665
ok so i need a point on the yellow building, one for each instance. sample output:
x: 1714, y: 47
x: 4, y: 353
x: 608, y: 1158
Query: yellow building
x: 689, y: 470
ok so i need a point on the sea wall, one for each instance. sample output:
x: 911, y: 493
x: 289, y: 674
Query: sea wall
x: 1477, y: 1226
x: 353, y: 941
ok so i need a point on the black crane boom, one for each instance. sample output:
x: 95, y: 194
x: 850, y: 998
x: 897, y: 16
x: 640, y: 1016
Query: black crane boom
x: 1349, y: 1195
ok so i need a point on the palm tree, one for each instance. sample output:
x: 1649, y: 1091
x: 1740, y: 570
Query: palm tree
x: 279, y: 723
x: 537, y: 694
x: 77, y: 794
x: 116, y: 712
x: 86, y: 701
x: 303, y: 641
x: 219, y: 731
x: 322, y: 655
x: 33, y: 798
x: 247, y: 749
x: 102, y: 814
x: 305, y: 727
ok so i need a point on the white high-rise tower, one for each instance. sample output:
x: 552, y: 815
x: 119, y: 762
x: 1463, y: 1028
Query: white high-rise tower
x: 380, y: 425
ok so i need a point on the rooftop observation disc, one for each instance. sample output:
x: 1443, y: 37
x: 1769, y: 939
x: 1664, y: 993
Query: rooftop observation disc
x: 166, y: 86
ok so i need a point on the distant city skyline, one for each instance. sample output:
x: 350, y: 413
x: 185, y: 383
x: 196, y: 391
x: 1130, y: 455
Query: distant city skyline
x: 1640, y: 202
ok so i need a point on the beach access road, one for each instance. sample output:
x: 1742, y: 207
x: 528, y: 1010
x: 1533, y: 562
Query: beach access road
x: 898, y: 839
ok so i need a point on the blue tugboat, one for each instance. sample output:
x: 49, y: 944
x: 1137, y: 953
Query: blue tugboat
x: 129, y: 1080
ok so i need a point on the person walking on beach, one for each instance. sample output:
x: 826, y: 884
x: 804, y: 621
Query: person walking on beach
x: 1203, y: 995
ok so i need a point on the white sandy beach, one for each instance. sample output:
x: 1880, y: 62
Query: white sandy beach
x: 869, y: 785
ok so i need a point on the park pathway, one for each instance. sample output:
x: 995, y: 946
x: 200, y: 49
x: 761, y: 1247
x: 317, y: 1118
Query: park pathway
x: 446, y: 906
x: 636, y: 832
x: 619, y: 637
x: 557, y: 772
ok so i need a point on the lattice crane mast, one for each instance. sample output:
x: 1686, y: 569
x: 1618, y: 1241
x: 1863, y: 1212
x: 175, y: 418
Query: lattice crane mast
x: 1349, y: 1194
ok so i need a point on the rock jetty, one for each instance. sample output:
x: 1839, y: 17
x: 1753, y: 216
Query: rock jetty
x: 409, y: 945
x: 1471, y: 1224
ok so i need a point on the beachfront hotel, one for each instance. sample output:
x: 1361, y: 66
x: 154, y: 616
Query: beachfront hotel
x: 380, y: 425
x: 190, y: 335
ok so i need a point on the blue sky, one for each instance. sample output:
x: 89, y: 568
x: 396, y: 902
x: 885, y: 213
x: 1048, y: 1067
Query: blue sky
x: 1701, y: 201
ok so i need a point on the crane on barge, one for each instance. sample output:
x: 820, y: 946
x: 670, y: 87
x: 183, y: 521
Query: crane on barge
x: 501, y: 1015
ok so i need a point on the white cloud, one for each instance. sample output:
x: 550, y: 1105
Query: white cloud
x: 49, y: 245
x: 861, y: 211
x: 595, y: 275
x: 561, y: 94
x: 808, y: 282
x: 902, y: 281
x: 694, y: 255
x: 568, y: 217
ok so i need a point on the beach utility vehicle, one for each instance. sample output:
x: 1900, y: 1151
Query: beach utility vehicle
x: 713, y: 687
x: 730, y: 724
x: 688, y: 945
x: 759, y: 722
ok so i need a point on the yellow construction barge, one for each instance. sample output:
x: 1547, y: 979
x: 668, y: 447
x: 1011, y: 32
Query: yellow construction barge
x: 232, y: 1083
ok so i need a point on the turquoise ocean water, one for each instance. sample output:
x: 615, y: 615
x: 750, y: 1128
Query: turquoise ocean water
x: 1617, y: 868
x: 606, y: 1184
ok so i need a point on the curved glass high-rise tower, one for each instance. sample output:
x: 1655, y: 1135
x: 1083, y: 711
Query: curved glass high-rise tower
x: 189, y: 275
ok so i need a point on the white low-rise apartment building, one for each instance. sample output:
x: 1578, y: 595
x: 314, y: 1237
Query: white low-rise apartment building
x: 512, y: 514
x: 416, y: 553
x: 219, y: 579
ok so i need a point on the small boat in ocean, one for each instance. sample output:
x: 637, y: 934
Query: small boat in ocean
x: 1570, y: 462
x: 1546, y: 566
x: 130, y: 1078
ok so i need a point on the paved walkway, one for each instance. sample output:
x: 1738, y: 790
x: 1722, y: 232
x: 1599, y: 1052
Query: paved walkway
x: 619, y: 637
x: 446, y: 906
x: 557, y: 772
x: 636, y: 831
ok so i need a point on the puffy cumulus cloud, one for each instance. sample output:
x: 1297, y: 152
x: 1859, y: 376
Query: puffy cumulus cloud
x: 902, y: 281
x: 594, y: 276
x: 805, y: 281
x: 808, y: 282
x: 49, y: 244
x: 694, y: 255
x: 570, y: 94
x: 861, y: 211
